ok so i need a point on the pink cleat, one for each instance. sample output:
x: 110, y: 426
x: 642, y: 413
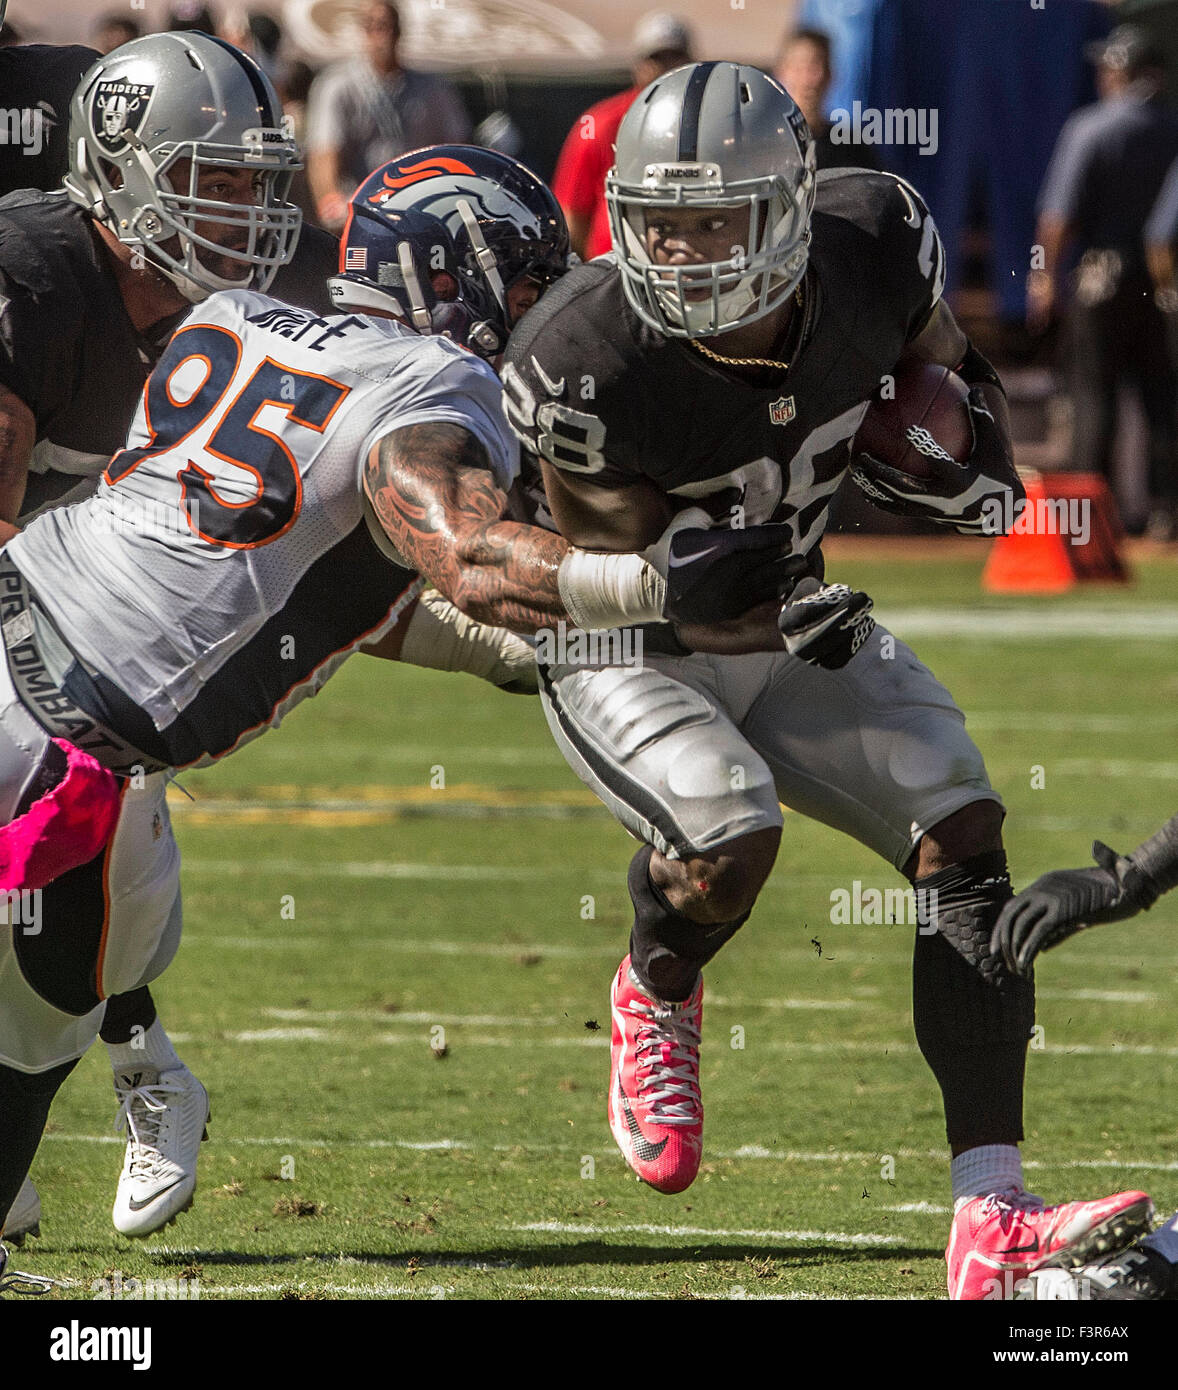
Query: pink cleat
x: 996, y: 1241
x: 655, y: 1111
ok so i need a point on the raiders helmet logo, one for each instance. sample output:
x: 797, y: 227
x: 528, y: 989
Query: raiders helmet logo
x: 119, y: 107
x: 782, y: 410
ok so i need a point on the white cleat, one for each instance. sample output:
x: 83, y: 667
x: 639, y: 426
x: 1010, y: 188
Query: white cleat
x: 24, y: 1216
x: 164, y: 1114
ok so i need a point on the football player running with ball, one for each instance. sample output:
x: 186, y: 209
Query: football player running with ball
x: 722, y: 359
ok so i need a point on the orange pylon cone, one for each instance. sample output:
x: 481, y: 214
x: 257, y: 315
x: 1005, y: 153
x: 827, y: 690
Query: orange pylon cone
x: 1068, y: 532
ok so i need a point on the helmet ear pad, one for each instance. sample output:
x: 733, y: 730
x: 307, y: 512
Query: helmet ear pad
x: 395, y: 261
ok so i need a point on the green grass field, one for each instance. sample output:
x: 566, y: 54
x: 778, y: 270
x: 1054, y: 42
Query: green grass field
x: 348, y: 1160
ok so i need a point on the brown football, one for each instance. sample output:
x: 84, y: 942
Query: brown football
x: 919, y: 411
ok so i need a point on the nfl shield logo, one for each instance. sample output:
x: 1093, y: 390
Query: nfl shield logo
x: 782, y: 410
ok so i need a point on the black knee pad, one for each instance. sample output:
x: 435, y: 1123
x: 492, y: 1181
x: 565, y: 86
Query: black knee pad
x: 667, y: 949
x: 973, y: 1018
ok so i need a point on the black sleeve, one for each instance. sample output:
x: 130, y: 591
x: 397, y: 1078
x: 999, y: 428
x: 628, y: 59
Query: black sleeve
x: 913, y: 264
x: 40, y: 327
x: 37, y: 81
x: 302, y: 282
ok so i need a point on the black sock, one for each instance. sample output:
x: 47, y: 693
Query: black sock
x: 667, y: 949
x: 24, y: 1108
x: 125, y: 1012
x: 973, y: 1018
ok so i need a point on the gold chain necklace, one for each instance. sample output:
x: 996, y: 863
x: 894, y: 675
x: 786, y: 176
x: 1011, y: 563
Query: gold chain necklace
x: 748, y: 361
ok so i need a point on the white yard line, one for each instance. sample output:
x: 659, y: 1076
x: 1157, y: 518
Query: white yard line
x: 600, y: 1039
x: 643, y: 1228
x: 1055, y: 624
x: 529, y: 1145
x: 1116, y: 767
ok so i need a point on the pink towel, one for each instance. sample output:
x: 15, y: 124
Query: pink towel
x: 64, y: 828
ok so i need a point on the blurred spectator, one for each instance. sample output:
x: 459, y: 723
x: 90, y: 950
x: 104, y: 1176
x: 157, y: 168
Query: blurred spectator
x: 255, y: 34
x: 114, y: 30
x: 661, y: 43
x: 191, y: 14
x: 1105, y: 177
x: 1161, y: 245
x: 294, y: 90
x: 803, y: 69
x: 368, y: 110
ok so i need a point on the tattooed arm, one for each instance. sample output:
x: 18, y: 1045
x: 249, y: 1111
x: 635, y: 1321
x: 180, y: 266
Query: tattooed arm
x: 433, y: 492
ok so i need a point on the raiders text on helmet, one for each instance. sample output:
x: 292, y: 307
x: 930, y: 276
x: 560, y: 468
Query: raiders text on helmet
x: 147, y: 121
x: 712, y: 135
x: 440, y: 236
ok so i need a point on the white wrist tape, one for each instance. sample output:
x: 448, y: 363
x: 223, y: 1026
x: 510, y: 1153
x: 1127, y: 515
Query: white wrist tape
x: 444, y: 639
x: 603, y: 591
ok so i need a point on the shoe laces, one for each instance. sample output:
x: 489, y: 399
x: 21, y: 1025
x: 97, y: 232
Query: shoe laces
x: 141, y: 1114
x: 1009, y: 1204
x: 667, y: 1061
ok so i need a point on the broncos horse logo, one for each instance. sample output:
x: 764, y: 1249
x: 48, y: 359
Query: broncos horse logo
x: 414, y: 173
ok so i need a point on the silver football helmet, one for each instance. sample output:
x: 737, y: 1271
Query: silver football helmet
x: 712, y: 135
x: 149, y: 123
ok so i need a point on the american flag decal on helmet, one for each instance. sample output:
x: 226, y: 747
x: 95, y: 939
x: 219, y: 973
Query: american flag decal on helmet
x: 356, y: 258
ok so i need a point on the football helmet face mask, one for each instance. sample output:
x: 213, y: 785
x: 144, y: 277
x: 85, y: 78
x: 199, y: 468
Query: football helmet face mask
x: 712, y: 136
x: 151, y: 126
x: 477, y: 214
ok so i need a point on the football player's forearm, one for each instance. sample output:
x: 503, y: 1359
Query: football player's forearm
x: 438, y: 636
x: 17, y: 436
x: 434, y: 495
x: 507, y: 575
x: 618, y: 519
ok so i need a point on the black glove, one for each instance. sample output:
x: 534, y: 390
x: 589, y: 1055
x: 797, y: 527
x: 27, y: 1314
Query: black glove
x: 825, y: 624
x: 969, y: 497
x: 713, y: 576
x: 1061, y: 903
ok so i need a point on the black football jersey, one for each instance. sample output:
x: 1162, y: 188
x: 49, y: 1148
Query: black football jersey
x: 596, y: 392
x: 68, y: 349
x: 37, y: 82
